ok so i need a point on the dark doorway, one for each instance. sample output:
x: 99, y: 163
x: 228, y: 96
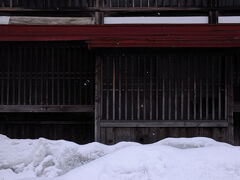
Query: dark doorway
x: 77, y: 127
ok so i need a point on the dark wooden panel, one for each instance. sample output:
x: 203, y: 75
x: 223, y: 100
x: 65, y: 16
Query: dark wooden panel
x: 160, y: 77
x: 150, y: 135
x: 53, y: 74
x: 76, y: 127
x: 130, y: 35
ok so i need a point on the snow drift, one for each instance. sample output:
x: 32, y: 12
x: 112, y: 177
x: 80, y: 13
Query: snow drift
x: 168, y: 159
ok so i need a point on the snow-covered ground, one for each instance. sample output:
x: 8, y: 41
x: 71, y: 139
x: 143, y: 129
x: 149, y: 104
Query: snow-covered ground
x: 169, y: 159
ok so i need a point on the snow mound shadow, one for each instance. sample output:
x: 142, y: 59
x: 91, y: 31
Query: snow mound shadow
x: 189, y: 143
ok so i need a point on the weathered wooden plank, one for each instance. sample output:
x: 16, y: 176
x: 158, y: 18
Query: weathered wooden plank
x: 170, y: 88
x: 98, y: 102
x: 194, y: 89
x: 158, y: 72
x: 114, y: 89
x: 126, y: 88
x: 165, y: 123
x: 207, y: 88
x: 30, y: 20
x: 138, y: 87
x: 151, y: 89
x: 130, y: 35
x: 230, y: 100
x: 188, y: 88
x: 176, y: 64
x: 213, y: 86
x: 219, y: 88
x: 46, y: 108
x: 120, y: 90
x: 163, y: 92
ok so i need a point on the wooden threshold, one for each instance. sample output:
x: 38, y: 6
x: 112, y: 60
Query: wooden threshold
x: 164, y: 123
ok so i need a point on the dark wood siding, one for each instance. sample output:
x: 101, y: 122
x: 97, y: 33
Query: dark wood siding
x: 166, y: 90
x: 77, y: 127
x: 46, y: 77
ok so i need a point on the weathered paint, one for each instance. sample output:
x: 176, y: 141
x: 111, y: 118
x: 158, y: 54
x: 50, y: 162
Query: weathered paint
x: 128, y: 35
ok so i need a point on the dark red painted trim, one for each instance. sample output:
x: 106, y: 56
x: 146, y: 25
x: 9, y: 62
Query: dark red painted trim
x: 129, y: 35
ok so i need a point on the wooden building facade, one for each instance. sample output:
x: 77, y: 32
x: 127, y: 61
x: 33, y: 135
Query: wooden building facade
x: 127, y: 82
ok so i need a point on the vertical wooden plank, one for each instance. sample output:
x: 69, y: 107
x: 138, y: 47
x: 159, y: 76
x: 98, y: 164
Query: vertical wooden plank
x: 182, y: 87
x: 63, y: 50
x: 42, y: 74
x: 138, y: 88
x: 219, y: 89
x: 19, y: 74
x: 24, y: 75
x: 110, y: 3
x: 14, y: 76
x: 126, y: 88
x: 81, y: 61
x: 157, y: 84
x: 58, y: 74
x: 8, y: 53
x: 207, y: 87
x: 163, y: 87
x: 194, y: 90
x: 213, y: 88
x: 226, y: 89
x: 11, y: 3
x: 179, y: 3
x: 36, y: 55
x: 114, y: 87
x: 47, y: 74
x: 144, y: 89
x: 108, y: 82
x: 188, y: 91
x: 120, y: 89
x: 53, y: 71
x: 69, y: 76
x: 170, y: 88
x: 230, y: 101
x: 132, y: 90
x: 98, y: 87
x: 201, y: 69
x: 75, y: 71
x: 30, y: 64
x: 151, y: 89
x: 2, y: 75
x: 176, y: 88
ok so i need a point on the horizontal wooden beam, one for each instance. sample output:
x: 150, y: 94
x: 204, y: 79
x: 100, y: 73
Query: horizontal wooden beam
x: 129, y: 35
x: 20, y: 122
x: 164, y: 123
x: 46, y: 108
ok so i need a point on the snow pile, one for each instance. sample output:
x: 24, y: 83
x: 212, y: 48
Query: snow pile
x: 47, y: 158
x: 168, y: 159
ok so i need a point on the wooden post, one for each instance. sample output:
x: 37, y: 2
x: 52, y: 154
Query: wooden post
x: 99, y: 16
x: 230, y: 100
x: 213, y: 17
x: 98, y: 85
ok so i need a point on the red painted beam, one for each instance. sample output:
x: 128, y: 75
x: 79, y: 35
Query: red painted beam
x: 129, y: 35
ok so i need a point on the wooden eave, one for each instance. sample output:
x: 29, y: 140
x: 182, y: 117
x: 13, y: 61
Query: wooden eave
x: 193, y: 35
